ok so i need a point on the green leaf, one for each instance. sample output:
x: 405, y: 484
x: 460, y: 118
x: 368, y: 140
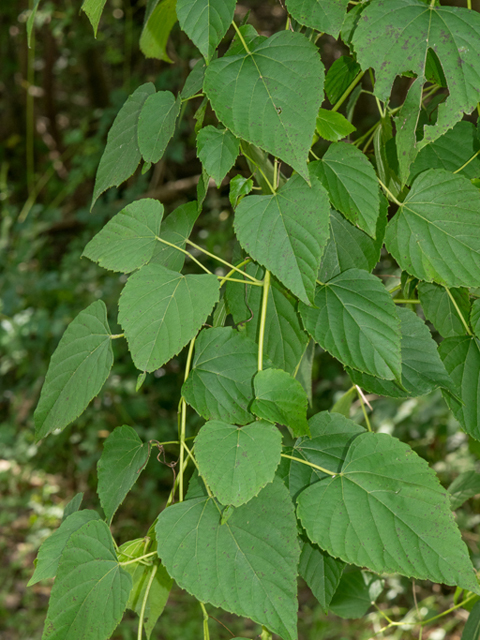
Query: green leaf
x: 323, y: 15
x: 73, y: 506
x: 339, y: 77
x: 156, y: 124
x: 220, y: 385
x: 471, y: 630
x: 91, y: 590
x: 461, y: 357
x: 464, y: 487
x: 122, y: 155
x: 400, y: 32
x: 387, y: 511
x: 237, y: 462
x: 158, y: 24
x: 422, y: 369
x: 321, y: 572
x: 176, y: 228
x: 355, y: 320
x: 439, y: 309
x: 194, y: 82
x: 239, y: 187
x: 270, y: 96
x: 217, y: 149
x: 333, y: 126
x: 280, y: 398
x: 475, y: 317
x: 31, y: 21
x: 77, y: 371
x: 247, y: 566
x: 51, y: 550
x: 162, y: 310
x: 128, y: 240
x: 93, y: 9
x: 304, y: 370
x: 352, y: 185
x: 205, y: 22
x: 124, y: 456
x: 435, y: 234
x: 406, y: 125
x: 355, y: 594
x: 287, y: 233
x: 344, y: 403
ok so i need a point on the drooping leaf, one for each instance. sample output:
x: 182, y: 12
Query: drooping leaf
x: 158, y: 24
x: 31, y: 21
x: 287, y: 232
x: 231, y: 565
x: 176, y: 228
x: 439, y: 309
x: 162, y: 310
x: 321, y: 572
x: 156, y: 124
x: 351, y: 183
x: 194, y: 82
x: 205, y: 22
x: 323, y: 15
x: 93, y: 9
x: 122, y: 155
x: 471, y: 630
x: 280, y: 398
x: 217, y: 149
x: 464, y: 487
x: 123, y: 458
x: 387, y: 511
x: 128, y: 240
x: 339, y: 77
x: 91, y: 589
x: 435, y: 234
x: 270, y: 96
x: 386, y: 159
x: 344, y: 403
x: 400, y: 32
x: 77, y: 371
x: 406, y: 123
x: 333, y: 126
x: 355, y: 594
x: 239, y: 187
x: 220, y: 385
x: 354, y: 319
x: 237, y: 462
x: 475, y: 317
x: 51, y: 550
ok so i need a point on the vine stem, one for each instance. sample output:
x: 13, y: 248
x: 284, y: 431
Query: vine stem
x: 362, y: 403
x: 206, y: 632
x: 348, y: 91
x: 232, y: 271
x: 266, y: 635
x: 147, y: 555
x: 400, y: 301
x: 457, y: 308
x: 468, y: 162
x: 389, y: 193
x: 310, y: 464
x: 241, y: 38
x: 183, y: 422
x: 115, y: 336
x: 259, y: 168
x: 263, y: 318
x: 231, y: 266
x: 187, y: 253
x: 144, y: 602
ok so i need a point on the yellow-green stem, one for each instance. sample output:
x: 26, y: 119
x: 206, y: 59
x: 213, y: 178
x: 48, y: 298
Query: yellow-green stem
x: 227, y: 264
x: 139, y: 559
x: 141, y: 617
x: 364, y: 410
x: 460, y: 314
x: 263, y: 319
x: 183, y: 422
x: 400, y: 301
x: 259, y: 168
x: 468, y: 162
x: 348, y: 91
x: 310, y: 464
x: 206, y: 633
x: 187, y: 253
x: 241, y: 38
x: 389, y: 193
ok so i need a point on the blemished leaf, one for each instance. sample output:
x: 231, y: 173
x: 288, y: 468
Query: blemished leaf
x: 461, y: 357
x: 271, y: 95
x: 435, y: 235
x: 202, y: 556
x: 205, y: 22
x: 122, y: 154
x: 220, y: 385
x: 156, y: 124
x: 280, y: 398
x: 176, y: 228
x: 194, y: 82
x: 464, y: 487
x: 323, y: 15
x: 440, y: 310
x: 475, y: 317
x: 159, y: 22
x: 239, y: 187
x: 422, y: 369
x: 339, y: 77
x: 471, y: 630
x: 162, y: 310
x: 354, y: 319
x: 333, y: 126
x: 91, y: 589
x: 128, y: 240
x: 217, y: 149
x: 93, y: 9
x: 321, y: 572
x: 287, y: 232
x: 351, y: 183
x: 51, y: 550
x: 355, y: 594
x: 31, y: 20
x: 400, y: 32
x: 123, y: 458
x: 377, y: 513
x: 77, y: 371
x: 237, y: 462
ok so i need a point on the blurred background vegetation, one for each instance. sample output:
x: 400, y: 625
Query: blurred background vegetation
x: 58, y: 100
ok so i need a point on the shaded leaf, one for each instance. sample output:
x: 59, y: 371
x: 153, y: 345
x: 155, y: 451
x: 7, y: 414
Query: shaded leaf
x: 333, y: 126
x: 194, y: 82
x: 339, y: 77
x: 176, y: 229
x: 475, y: 317
x: 31, y: 20
x: 217, y: 149
x: 239, y: 187
x: 471, y: 630
x: 439, y: 309
x: 464, y: 487
x: 323, y: 15
x: 158, y: 24
x: 321, y: 572
x: 355, y: 594
x: 73, y: 506
x: 406, y: 123
x: 156, y: 124
x: 205, y: 22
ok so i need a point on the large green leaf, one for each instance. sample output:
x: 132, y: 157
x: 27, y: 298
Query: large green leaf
x: 217, y: 149
x: 176, y: 228
x: 220, y: 385
x: 440, y: 310
x: 49, y: 554
x: 248, y: 565
x: 422, y: 369
x: 387, y: 511
x: 287, y: 232
x: 123, y: 458
x: 400, y: 33
x: 93, y: 9
x: 237, y: 462
x: 355, y: 594
x: 280, y: 398
x: 352, y: 185
x: 156, y: 124
x: 464, y: 487
x: 162, y: 310
x: 354, y: 318
x: 323, y: 15
x: 205, y: 22
x: 91, y: 590
x: 435, y: 235
x: 160, y: 18
x: 270, y: 96
x: 128, y: 240
x: 461, y: 357
x: 77, y: 371
x: 122, y: 154
x: 321, y: 572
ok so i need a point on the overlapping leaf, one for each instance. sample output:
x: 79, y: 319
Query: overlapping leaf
x: 440, y: 310
x: 160, y: 17
x: 217, y: 149
x: 323, y: 15
x: 339, y: 77
x: 156, y: 124
x: 355, y: 594
x: 333, y: 126
x: 205, y: 22
x: 475, y: 317
x: 321, y: 572
x: 464, y: 487
x: 176, y: 228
